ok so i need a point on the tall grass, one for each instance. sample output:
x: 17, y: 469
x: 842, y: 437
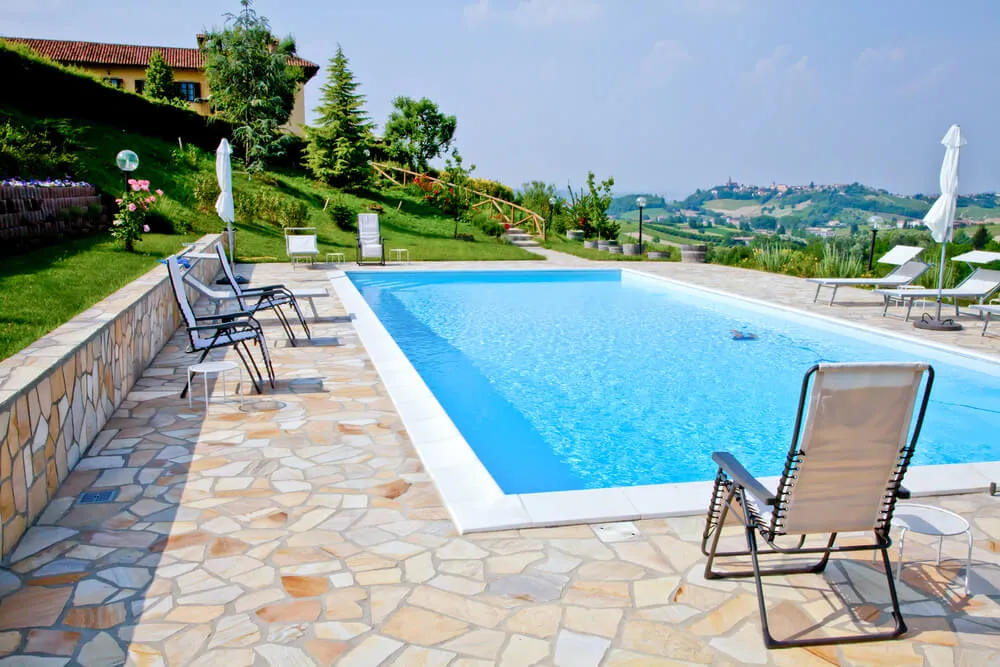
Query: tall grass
x: 772, y: 258
x: 840, y: 263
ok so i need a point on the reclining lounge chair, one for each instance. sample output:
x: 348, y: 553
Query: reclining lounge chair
x: 214, y: 331
x: 268, y: 297
x: 850, y: 449
x: 903, y: 274
x: 979, y: 286
x: 371, y: 245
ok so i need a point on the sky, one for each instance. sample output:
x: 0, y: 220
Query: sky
x: 664, y: 95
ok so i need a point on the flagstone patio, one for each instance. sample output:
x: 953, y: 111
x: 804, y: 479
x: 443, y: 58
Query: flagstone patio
x: 302, y: 530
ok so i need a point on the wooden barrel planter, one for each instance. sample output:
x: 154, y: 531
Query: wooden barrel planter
x: 615, y: 249
x: 590, y: 244
x: 652, y: 254
x: 630, y: 249
x: 602, y: 246
x: 693, y: 253
x: 574, y: 234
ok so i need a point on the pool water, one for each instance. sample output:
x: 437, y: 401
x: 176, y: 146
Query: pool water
x: 563, y: 380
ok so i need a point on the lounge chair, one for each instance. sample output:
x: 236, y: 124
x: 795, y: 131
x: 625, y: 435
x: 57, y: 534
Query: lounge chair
x: 215, y: 331
x: 371, y: 245
x: 843, y: 473
x: 988, y: 310
x: 300, y: 246
x: 979, y: 285
x: 268, y: 297
x: 903, y: 274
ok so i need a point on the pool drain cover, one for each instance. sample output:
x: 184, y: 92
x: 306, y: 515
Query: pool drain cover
x: 96, y: 497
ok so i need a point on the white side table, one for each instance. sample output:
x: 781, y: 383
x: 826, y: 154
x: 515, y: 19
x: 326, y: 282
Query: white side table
x: 337, y: 258
x: 935, y: 521
x: 208, y: 367
x: 396, y: 254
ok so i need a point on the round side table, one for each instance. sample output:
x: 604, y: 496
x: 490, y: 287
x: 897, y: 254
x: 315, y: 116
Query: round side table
x: 398, y: 254
x: 207, y: 368
x: 336, y: 258
x: 934, y: 521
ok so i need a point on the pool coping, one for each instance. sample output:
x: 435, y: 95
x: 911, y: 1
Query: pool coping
x: 475, y: 501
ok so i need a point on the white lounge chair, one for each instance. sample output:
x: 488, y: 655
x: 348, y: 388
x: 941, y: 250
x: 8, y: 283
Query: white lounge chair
x: 979, y: 285
x: 988, y: 310
x: 843, y: 473
x: 901, y: 275
x: 371, y: 245
x: 299, y: 246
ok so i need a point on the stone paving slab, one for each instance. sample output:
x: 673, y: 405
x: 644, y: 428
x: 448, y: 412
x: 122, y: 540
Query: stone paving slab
x: 303, y: 530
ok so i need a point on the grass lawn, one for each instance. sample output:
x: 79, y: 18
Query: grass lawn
x: 42, y: 289
x: 562, y: 244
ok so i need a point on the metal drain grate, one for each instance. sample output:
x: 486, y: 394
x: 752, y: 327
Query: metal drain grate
x: 95, y: 497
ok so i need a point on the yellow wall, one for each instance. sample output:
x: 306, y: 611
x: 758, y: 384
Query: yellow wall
x: 129, y: 75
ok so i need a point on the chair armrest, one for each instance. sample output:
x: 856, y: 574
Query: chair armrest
x: 904, y: 493
x: 729, y: 465
x: 245, y: 324
x: 225, y: 317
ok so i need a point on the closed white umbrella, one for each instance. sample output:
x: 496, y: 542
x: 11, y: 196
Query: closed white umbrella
x: 941, y: 218
x: 224, y: 204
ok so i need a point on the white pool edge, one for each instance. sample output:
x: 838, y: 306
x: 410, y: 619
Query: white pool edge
x: 476, y: 503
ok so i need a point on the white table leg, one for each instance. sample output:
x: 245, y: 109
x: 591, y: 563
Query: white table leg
x: 899, y: 566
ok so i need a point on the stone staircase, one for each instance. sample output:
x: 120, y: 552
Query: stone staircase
x: 519, y: 238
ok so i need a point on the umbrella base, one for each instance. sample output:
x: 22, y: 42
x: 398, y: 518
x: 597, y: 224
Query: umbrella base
x: 931, y: 323
x: 240, y: 279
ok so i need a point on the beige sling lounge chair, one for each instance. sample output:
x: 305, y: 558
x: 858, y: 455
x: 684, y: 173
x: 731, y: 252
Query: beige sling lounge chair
x: 843, y: 473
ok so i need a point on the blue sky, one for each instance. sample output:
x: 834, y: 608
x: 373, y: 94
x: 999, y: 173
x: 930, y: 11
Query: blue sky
x: 665, y: 95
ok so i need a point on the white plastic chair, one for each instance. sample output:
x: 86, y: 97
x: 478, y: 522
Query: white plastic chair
x: 299, y: 246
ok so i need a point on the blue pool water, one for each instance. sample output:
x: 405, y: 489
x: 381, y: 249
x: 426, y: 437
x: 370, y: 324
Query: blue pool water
x: 589, y: 379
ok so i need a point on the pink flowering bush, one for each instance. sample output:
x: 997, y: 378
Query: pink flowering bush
x: 133, y: 207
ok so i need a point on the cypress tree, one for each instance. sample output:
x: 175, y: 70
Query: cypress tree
x: 159, y: 79
x: 336, y: 150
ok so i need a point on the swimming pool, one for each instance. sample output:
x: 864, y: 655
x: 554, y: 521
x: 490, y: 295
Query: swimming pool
x: 565, y: 380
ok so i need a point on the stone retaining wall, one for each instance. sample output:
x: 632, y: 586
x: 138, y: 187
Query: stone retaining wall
x: 57, y: 394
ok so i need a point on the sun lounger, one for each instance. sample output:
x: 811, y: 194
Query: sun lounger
x: 844, y: 471
x: 901, y: 275
x: 978, y: 286
x: 371, y: 245
x: 210, y: 332
x: 988, y: 310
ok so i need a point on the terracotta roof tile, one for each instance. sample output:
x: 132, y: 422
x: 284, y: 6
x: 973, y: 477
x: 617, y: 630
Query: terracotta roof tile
x: 97, y: 53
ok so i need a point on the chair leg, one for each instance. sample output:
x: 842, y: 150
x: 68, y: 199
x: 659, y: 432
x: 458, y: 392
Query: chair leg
x: 247, y: 361
x: 909, y: 307
x: 834, y: 295
x: 267, y: 358
x: 819, y: 286
x: 302, y: 320
x: 986, y: 323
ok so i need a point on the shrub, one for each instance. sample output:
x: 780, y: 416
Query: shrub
x: 186, y: 155
x: 41, y: 150
x: 205, y: 189
x: 839, y: 264
x: 492, y: 188
x: 343, y: 216
x: 133, y: 207
x: 296, y: 213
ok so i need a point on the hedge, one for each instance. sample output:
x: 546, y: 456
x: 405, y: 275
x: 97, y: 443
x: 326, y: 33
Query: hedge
x: 38, y: 88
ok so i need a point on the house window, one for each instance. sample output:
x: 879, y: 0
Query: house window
x: 140, y: 86
x: 189, y: 90
x: 114, y: 82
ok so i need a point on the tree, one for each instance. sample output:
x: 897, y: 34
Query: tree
x: 417, y: 132
x: 337, y: 148
x: 253, y: 86
x: 159, y: 79
x: 981, y: 237
x: 590, y: 208
x: 536, y: 195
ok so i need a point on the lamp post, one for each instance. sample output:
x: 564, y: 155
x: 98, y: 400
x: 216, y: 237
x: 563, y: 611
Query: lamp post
x: 874, y: 221
x: 641, y: 201
x: 552, y: 208
x: 127, y: 162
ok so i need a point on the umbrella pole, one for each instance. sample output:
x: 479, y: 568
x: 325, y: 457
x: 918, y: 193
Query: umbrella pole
x: 231, y: 262
x: 944, y: 242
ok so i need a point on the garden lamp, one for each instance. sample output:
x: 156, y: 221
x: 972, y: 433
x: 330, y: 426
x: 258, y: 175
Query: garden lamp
x: 127, y: 162
x: 641, y: 201
x: 875, y: 221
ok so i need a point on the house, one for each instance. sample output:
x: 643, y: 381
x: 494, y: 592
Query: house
x: 124, y: 66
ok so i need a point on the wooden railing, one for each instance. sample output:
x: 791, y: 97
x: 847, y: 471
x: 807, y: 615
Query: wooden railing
x: 510, y: 213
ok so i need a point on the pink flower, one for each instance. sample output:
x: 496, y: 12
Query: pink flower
x: 118, y: 201
x: 145, y: 228
x: 132, y: 181
x: 135, y: 187
x: 131, y: 207
x: 151, y: 198
x: 159, y: 192
x: 144, y: 185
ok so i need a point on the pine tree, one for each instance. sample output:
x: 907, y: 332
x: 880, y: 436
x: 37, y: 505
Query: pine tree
x: 159, y: 79
x: 337, y: 148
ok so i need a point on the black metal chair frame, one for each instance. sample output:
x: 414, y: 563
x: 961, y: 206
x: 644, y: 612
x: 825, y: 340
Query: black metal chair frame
x: 732, y: 482
x: 269, y: 297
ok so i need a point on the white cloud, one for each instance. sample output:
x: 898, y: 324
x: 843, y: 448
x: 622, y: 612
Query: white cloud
x: 779, y: 64
x: 666, y: 58
x: 882, y: 59
x: 927, y: 80
x: 534, y: 13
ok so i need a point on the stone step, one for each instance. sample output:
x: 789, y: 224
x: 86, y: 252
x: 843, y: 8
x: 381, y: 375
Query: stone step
x: 529, y: 243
